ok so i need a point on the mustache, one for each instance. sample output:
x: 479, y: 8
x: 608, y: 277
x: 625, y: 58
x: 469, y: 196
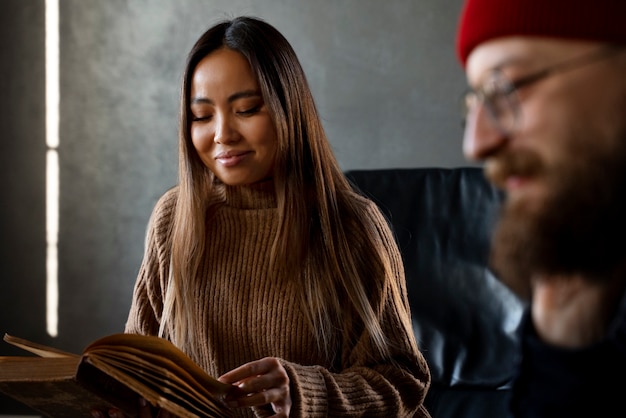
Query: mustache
x: 508, y: 164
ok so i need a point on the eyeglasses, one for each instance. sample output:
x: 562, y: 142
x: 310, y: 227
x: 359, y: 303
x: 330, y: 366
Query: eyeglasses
x: 498, y: 93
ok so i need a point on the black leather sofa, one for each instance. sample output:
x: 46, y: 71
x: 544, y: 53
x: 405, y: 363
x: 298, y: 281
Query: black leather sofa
x: 465, y: 321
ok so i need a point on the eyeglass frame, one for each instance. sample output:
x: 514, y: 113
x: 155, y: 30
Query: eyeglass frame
x: 505, y: 96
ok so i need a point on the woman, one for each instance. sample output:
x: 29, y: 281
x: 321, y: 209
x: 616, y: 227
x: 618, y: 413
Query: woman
x: 262, y: 264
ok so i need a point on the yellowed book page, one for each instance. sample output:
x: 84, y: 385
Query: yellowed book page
x: 154, y: 394
x: 13, y: 368
x: 144, y: 344
x: 154, y: 375
x: 36, y: 348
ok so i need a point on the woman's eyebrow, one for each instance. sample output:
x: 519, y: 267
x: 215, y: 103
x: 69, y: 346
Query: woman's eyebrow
x: 235, y: 96
x: 243, y: 94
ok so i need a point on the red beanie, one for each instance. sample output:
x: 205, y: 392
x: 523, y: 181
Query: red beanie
x: 597, y: 20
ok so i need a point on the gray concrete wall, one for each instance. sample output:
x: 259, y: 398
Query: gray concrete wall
x: 384, y: 75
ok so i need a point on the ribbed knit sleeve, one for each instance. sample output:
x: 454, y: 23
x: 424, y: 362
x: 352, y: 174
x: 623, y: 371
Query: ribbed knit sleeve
x: 147, y: 302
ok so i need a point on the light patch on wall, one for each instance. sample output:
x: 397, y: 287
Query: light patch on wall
x: 52, y: 165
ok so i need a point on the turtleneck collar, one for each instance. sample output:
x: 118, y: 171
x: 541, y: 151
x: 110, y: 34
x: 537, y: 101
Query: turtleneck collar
x: 261, y: 195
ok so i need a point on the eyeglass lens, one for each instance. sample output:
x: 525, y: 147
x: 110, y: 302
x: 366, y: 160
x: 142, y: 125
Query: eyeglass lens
x: 498, y: 97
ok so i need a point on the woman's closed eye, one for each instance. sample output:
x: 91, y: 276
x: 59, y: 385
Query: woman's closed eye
x: 244, y: 108
x: 250, y: 111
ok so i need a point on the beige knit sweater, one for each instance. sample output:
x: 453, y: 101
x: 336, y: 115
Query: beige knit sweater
x: 246, y: 312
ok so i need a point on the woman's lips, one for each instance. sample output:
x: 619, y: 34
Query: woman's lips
x: 229, y: 159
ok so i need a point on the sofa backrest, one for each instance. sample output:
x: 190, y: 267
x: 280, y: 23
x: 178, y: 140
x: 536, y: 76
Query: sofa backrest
x: 465, y: 321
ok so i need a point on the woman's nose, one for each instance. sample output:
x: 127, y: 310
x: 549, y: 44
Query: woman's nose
x: 224, y: 130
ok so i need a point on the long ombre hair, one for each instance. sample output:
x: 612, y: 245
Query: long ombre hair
x: 319, y: 218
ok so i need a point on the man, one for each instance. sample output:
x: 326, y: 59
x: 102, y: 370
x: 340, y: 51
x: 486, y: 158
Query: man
x: 546, y: 113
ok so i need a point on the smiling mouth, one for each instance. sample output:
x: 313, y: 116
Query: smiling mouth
x: 230, y: 159
x: 515, y: 182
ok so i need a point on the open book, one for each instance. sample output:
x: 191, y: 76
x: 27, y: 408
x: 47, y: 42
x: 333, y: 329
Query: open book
x: 112, y: 372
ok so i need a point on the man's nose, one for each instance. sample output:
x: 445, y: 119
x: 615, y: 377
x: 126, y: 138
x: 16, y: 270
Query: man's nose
x: 482, y: 135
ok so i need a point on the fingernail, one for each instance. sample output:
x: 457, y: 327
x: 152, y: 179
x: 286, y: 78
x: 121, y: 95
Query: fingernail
x: 97, y: 414
x: 143, y: 402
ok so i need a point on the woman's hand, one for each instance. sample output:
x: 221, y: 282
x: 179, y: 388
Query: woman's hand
x: 260, y: 383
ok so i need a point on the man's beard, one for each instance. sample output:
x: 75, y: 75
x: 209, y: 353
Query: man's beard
x: 579, y: 228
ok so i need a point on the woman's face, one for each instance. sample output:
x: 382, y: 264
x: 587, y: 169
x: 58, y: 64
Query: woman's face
x: 231, y: 128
